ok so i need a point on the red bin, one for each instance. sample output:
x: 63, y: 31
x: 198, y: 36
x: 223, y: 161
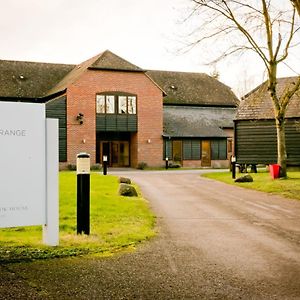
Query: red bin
x: 275, y: 171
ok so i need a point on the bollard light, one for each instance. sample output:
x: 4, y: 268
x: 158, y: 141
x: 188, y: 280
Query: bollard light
x: 167, y: 163
x: 83, y: 193
x: 104, y: 159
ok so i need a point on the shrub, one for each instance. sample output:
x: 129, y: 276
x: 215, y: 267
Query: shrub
x: 96, y: 167
x: 142, y: 165
x: 71, y: 167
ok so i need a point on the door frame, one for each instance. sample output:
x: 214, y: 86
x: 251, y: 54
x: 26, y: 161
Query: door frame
x: 206, y: 161
x: 110, y: 153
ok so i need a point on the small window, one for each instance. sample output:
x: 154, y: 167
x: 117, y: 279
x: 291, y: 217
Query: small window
x: 122, y: 105
x: 219, y: 149
x: 110, y: 104
x: 100, y: 104
x: 168, y: 149
x: 191, y: 149
x: 132, y: 105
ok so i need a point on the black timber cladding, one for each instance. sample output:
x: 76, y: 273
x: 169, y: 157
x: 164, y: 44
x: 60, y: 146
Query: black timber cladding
x: 57, y: 109
x: 116, y: 123
x: 256, y: 141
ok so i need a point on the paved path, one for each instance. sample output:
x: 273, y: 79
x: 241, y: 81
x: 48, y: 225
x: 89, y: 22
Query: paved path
x: 216, y: 242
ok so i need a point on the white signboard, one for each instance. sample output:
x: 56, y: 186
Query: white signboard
x: 22, y: 164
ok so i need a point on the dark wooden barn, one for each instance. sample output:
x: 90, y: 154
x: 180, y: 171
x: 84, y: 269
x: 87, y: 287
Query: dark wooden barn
x: 255, y: 132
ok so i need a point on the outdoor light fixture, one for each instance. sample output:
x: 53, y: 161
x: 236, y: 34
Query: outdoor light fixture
x: 79, y: 118
x: 148, y: 141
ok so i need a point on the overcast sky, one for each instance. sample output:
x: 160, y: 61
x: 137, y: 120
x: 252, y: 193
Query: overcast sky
x: 144, y: 32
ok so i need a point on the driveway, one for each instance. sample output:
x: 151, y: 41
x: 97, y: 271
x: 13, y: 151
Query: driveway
x: 215, y: 241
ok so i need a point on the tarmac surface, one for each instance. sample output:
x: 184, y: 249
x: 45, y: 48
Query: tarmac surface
x: 215, y: 241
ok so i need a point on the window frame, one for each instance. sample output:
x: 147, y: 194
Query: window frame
x: 116, y: 103
x: 216, y: 153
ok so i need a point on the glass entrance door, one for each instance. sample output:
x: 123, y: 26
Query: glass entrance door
x: 117, y: 153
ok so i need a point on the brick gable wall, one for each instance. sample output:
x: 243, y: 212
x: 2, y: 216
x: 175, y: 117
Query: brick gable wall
x: 146, y: 144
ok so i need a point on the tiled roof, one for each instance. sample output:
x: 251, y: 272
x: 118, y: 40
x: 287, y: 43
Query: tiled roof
x: 193, y: 89
x: 110, y: 61
x: 19, y: 79
x: 187, y: 121
x: 36, y: 80
x: 258, y: 104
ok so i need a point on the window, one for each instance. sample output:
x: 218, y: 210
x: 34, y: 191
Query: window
x: 219, y: 149
x: 115, y: 104
x: 100, y: 104
x: 110, y: 104
x: 132, y: 105
x: 168, y: 149
x: 191, y: 149
x: 105, y: 104
x: 122, y: 105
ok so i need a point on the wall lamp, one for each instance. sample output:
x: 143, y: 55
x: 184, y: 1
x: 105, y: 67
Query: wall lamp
x: 79, y: 118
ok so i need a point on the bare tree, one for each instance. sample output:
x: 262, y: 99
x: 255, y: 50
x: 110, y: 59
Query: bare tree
x: 296, y: 3
x: 260, y: 26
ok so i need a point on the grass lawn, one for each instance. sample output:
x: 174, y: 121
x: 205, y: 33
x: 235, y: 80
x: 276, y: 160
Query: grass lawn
x: 117, y: 223
x: 263, y: 182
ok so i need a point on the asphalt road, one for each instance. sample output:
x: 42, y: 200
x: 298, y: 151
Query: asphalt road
x: 215, y: 242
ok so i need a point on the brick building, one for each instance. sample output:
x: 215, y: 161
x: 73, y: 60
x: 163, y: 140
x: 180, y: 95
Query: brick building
x: 107, y: 106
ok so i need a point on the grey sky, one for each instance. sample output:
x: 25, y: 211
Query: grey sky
x: 143, y: 32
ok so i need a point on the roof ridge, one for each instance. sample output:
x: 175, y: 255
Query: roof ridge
x: 35, y: 62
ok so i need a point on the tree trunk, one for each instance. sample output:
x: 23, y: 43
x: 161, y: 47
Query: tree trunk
x: 296, y: 3
x: 281, y: 145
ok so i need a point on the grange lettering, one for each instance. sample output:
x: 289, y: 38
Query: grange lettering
x: 12, y: 132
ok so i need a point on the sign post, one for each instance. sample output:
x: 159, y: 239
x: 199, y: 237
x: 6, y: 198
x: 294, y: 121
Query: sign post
x: 29, y: 168
x: 83, y: 193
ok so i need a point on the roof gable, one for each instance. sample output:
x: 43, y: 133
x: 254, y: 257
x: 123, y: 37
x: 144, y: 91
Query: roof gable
x: 110, y: 61
x: 103, y: 61
x: 258, y: 104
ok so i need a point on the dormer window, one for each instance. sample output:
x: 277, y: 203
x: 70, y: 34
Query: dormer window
x: 116, y: 104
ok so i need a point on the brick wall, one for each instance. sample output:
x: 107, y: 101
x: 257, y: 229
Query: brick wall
x: 146, y: 144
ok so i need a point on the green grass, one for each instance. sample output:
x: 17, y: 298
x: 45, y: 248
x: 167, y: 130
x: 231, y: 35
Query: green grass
x: 289, y: 187
x: 117, y: 223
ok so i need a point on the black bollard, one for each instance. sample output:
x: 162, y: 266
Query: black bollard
x: 167, y: 163
x: 104, y: 164
x: 83, y: 193
x: 233, y: 162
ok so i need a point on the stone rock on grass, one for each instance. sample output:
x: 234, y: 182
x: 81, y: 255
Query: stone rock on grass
x: 245, y: 178
x: 124, y: 180
x: 127, y: 190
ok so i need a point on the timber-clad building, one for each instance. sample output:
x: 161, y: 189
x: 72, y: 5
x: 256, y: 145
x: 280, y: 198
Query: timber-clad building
x: 255, y: 131
x: 109, y: 106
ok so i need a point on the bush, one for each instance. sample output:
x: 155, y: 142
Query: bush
x: 142, y: 166
x: 71, y: 167
x: 96, y: 167
x: 174, y: 165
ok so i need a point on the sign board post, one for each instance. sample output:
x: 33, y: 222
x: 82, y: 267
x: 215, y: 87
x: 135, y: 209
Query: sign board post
x: 83, y: 193
x: 51, y: 227
x: 28, y: 149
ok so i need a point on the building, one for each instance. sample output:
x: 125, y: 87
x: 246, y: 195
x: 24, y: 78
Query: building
x: 109, y: 107
x: 198, y: 118
x: 255, y: 131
